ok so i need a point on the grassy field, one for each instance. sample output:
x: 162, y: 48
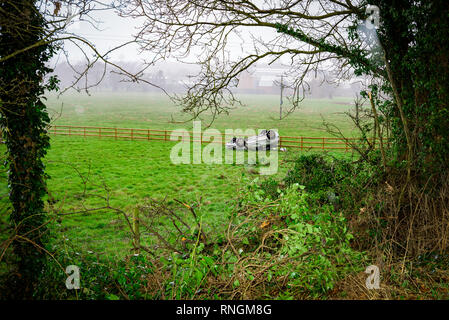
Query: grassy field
x: 85, y: 171
x: 155, y: 111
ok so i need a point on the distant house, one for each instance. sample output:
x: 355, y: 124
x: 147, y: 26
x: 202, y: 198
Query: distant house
x: 247, y: 83
x: 269, y: 78
x: 267, y: 81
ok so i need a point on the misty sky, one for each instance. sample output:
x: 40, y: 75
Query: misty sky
x: 110, y: 30
x: 114, y: 30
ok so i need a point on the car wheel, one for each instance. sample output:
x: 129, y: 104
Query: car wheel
x: 271, y: 134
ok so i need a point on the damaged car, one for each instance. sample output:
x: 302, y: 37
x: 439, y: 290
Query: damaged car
x: 265, y: 140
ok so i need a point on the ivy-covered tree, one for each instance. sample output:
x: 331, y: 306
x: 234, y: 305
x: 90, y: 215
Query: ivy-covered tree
x: 414, y: 35
x: 24, y: 122
x: 32, y: 31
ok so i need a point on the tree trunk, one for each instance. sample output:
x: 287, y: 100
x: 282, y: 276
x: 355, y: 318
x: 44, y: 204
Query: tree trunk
x: 23, y: 123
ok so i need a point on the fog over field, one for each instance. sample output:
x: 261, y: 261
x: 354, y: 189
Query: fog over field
x: 176, y: 77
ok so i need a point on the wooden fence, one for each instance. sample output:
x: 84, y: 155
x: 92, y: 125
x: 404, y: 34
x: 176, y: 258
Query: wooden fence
x: 302, y: 143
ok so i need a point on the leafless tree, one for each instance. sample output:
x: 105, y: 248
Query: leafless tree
x: 59, y: 16
x: 181, y: 29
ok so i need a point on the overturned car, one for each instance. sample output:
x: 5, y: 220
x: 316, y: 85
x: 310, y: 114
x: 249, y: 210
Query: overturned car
x: 265, y: 140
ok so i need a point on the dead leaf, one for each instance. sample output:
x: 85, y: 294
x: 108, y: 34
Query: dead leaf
x: 57, y: 8
x: 264, y: 224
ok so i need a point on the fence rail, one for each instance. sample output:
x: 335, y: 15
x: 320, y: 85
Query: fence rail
x: 302, y: 143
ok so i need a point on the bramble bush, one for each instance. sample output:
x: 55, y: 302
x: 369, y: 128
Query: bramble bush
x: 316, y: 240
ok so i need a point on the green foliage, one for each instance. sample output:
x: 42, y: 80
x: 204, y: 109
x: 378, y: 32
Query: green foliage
x: 333, y: 181
x: 356, y: 56
x: 315, y: 239
x: 188, y: 273
x: 270, y: 188
x: 100, y: 279
x: 316, y: 173
x: 414, y: 38
x: 321, y: 242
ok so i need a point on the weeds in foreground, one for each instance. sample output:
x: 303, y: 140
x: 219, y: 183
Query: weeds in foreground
x: 298, y: 238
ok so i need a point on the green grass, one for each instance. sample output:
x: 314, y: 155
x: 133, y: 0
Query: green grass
x: 132, y: 171
x: 155, y: 111
x: 127, y: 172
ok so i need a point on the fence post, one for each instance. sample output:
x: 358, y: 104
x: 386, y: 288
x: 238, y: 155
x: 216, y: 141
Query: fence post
x: 165, y: 135
x: 99, y: 132
x: 54, y: 129
x: 323, y: 143
x: 70, y: 130
x: 302, y: 143
x: 132, y: 134
x: 84, y: 131
x: 148, y: 134
x: 136, y: 231
x: 115, y: 131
